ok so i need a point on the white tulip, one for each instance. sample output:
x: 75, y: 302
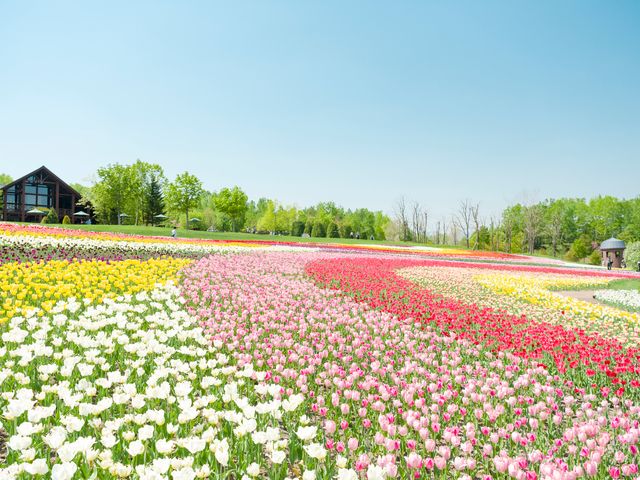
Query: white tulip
x: 19, y: 442
x: 37, y: 467
x: 307, y: 433
x: 135, y: 448
x: 63, y: 471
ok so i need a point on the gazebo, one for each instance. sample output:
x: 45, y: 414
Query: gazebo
x: 612, y: 249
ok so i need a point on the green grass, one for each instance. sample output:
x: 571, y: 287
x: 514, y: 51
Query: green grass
x: 624, y: 284
x: 182, y: 233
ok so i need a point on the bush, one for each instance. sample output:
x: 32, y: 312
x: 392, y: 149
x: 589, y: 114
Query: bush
x: 51, y: 217
x: 632, y: 255
x: 595, y: 258
x: 297, y: 228
x: 332, y: 230
x: 66, y: 220
x: 308, y: 227
x: 318, y: 230
x: 580, y: 248
x: 345, y: 230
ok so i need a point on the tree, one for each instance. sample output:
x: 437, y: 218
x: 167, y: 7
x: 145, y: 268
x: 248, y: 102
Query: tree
x: 318, y: 229
x: 4, y: 180
x: 332, y: 230
x: 111, y: 192
x: 402, y: 219
x: 512, y: 225
x: 154, y: 204
x: 233, y: 203
x: 184, y: 193
x: 475, y: 214
x: 463, y: 219
x: 533, y: 215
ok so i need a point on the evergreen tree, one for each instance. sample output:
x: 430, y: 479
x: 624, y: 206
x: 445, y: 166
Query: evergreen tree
x: 155, y: 200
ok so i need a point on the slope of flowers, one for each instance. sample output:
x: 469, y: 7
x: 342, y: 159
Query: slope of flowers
x: 27, y: 286
x: 387, y: 396
x: 593, y: 361
x: 461, y: 284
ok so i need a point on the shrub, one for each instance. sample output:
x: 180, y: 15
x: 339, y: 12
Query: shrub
x: 594, y: 258
x: 332, y: 230
x: 51, y: 217
x: 66, y: 220
x: 297, y: 228
x: 318, y: 230
x: 580, y: 248
x: 632, y: 255
x: 308, y: 227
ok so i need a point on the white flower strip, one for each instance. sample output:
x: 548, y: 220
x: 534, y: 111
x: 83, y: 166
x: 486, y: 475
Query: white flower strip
x: 625, y: 298
x: 132, y: 388
x: 127, y: 248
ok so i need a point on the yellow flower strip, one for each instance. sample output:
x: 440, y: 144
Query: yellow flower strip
x: 24, y: 286
x: 537, y: 291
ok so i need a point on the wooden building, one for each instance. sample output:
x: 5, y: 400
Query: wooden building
x: 612, y: 249
x: 39, y: 191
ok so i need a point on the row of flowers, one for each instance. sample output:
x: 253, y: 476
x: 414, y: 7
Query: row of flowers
x: 629, y: 299
x: 462, y: 284
x: 38, y: 287
x: 115, y: 245
x: 592, y: 361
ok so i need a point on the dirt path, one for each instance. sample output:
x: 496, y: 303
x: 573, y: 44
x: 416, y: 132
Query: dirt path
x: 584, y: 295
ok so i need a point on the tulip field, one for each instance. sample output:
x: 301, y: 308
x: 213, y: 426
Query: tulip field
x: 158, y: 358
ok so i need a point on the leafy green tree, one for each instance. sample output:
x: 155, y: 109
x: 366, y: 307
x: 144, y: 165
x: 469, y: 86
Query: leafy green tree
x: 233, y: 203
x: 184, y: 193
x: 632, y: 255
x: 318, y: 229
x: 4, y: 180
x: 332, y: 230
x: 580, y: 248
x: 111, y: 192
x: 297, y: 228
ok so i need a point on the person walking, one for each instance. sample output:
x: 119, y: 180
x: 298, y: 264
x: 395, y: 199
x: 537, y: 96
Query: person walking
x: 173, y: 232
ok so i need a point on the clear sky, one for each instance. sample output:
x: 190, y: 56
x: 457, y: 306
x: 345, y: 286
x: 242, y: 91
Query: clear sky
x: 358, y: 102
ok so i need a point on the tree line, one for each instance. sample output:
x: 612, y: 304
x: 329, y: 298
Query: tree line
x: 571, y: 228
x: 140, y: 194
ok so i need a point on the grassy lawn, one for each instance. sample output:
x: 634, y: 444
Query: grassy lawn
x: 182, y: 233
x: 626, y: 284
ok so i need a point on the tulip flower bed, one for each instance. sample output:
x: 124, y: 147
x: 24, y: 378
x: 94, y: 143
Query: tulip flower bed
x: 157, y: 360
x: 389, y: 396
x: 593, y: 361
x: 531, y: 296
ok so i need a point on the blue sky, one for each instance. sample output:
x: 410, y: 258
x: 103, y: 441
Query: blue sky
x: 358, y: 102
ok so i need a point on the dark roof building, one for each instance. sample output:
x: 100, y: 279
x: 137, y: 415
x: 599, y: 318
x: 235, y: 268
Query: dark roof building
x: 612, y: 244
x: 27, y: 198
x: 612, y: 250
